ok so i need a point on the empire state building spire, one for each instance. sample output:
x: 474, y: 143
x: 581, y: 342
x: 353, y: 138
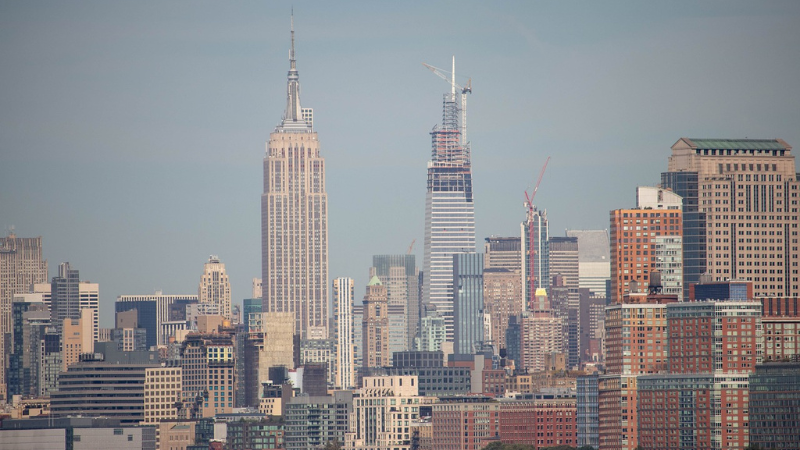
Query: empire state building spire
x: 294, y: 117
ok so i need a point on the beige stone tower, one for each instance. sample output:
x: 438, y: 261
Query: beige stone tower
x: 294, y: 219
x: 215, y: 288
x: 375, y: 327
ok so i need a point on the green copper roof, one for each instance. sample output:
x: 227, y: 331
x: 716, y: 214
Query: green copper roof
x: 374, y: 281
x: 738, y: 144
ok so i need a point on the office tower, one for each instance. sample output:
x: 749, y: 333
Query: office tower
x: 343, y: 299
x: 635, y: 233
x: 594, y: 259
x: 77, y: 338
x: 207, y: 363
x: 449, y: 209
x: 741, y: 211
x: 375, y: 326
x: 110, y: 385
x: 21, y: 266
x: 467, y: 302
x: 22, y: 368
x: 400, y: 275
x: 215, y: 288
x: 294, y: 219
x: 358, y: 338
x: 154, y: 310
x: 536, y: 252
x: 69, y: 296
x: 502, y: 285
x: 586, y: 411
x: 775, y: 393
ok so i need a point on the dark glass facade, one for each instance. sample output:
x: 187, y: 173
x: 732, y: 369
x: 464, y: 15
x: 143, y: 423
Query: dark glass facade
x: 694, y: 226
x: 467, y: 302
x: 145, y: 315
x: 775, y: 406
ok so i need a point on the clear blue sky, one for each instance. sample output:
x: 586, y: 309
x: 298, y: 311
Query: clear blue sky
x: 132, y: 134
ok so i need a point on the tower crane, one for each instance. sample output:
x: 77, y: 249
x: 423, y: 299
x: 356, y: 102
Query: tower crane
x: 464, y: 91
x: 531, y: 235
x: 411, y: 247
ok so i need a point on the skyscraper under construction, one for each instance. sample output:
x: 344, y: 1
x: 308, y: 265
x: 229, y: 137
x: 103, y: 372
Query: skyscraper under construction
x: 294, y: 218
x: 449, y: 207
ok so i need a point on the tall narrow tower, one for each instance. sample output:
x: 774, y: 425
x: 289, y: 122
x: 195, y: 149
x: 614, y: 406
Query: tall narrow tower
x: 294, y: 218
x: 449, y: 210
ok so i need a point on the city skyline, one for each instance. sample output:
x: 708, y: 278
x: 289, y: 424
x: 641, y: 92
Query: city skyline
x: 122, y: 122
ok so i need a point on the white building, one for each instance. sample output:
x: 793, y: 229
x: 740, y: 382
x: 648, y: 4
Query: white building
x: 343, y: 298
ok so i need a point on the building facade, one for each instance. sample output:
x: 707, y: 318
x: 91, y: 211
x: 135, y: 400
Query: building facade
x: 468, y: 306
x: 375, y: 326
x: 742, y: 211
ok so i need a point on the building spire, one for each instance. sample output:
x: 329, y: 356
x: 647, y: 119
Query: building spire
x: 293, y: 116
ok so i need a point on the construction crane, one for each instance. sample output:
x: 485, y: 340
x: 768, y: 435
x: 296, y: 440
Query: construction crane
x: 411, y: 247
x: 531, y: 235
x: 464, y: 91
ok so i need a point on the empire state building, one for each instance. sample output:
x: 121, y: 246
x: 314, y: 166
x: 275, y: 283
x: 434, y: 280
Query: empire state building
x: 294, y: 218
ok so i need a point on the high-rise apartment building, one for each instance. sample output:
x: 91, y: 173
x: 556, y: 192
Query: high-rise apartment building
x: 635, y: 235
x: 21, y: 266
x: 502, y: 285
x: 294, y: 218
x: 449, y: 210
x: 740, y: 211
x: 207, y: 363
x: 215, y: 288
x: 375, y: 326
x: 541, y: 334
x: 468, y: 302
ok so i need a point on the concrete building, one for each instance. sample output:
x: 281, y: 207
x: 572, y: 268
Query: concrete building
x: 343, y: 299
x: 635, y: 233
x: 21, y: 266
x: 77, y: 338
x: 75, y: 433
x: 449, y: 210
x: 294, y: 218
x: 433, y: 333
x: 741, y: 211
x: 375, y: 325
x: 215, y: 288
x: 162, y: 392
x: 96, y: 387
x: 502, y: 285
x: 774, y: 407
x: 468, y: 306
x: 277, y: 346
x: 564, y: 268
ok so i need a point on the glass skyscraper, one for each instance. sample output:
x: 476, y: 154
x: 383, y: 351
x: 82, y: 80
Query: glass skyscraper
x: 449, y: 211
